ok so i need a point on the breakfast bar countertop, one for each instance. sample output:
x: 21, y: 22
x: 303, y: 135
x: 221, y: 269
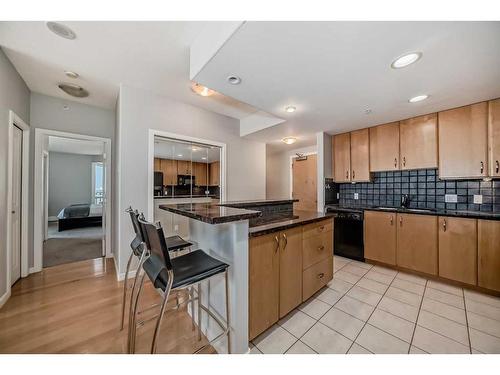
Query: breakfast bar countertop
x: 211, y: 213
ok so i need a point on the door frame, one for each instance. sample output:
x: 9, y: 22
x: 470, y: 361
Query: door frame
x: 151, y: 150
x: 41, y: 135
x: 15, y: 120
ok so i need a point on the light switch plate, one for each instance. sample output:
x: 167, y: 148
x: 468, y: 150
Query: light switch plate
x: 356, y: 195
x: 450, y: 198
x: 478, y: 199
x: 338, y: 195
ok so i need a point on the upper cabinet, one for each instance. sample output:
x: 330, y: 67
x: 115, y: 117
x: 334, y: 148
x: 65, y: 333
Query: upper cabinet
x: 157, y: 165
x: 494, y: 137
x: 342, y: 157
x: 463, y: 134
x: 184, y: 167
x: 418, y: 142
x: 200, y: 174
x: 214, y: 178
x: 384, y: 147
x: 169, y: 169
x: 360, y: 155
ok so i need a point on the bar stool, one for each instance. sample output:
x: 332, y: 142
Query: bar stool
x: 172, y: 274
x: 174, y: 243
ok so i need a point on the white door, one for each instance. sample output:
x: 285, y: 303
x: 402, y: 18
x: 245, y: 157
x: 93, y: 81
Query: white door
x: 17, y: 165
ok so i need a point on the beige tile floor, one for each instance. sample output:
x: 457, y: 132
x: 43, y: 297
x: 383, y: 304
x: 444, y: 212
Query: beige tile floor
x: 371, y: 309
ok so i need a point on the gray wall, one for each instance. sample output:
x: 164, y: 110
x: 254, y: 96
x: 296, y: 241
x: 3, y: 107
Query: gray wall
x: 15, y: 96
x: 70, y: 180
x: 140, y: 111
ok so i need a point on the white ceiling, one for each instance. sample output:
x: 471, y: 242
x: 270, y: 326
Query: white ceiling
x: 75, y: 146
x: 166, y: 149
x: 333, y: 71
x: 148, y: 55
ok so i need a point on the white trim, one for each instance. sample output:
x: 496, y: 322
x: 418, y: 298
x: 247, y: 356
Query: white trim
x: 40, y: 137
x: 46, y: 218
x: 151, y: 147
x: 15, y: 120
x: 291, y: 167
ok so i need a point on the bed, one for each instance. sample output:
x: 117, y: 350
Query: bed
x: 79, y: 216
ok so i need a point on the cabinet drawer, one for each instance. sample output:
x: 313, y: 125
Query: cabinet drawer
x: 316, y: 277
x: 317, y: 248
x: 314, y: 229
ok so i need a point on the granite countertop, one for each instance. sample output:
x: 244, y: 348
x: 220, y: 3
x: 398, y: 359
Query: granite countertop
x: 434, y: 212
x: 260, y: 202
x: 212, y: 213
x: 297, y: 218
x: 185, y: 196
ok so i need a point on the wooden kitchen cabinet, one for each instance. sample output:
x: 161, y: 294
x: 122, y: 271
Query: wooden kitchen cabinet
x: 384, y: 147
x: 342, y: 157
x: 200, y: 174
x: 494, y: 137
x: 417, y: 243
x: 157, y: 165
x: 458, y: 249
x: 290, y: 288
x: 214, y: 178
x: 463, y: 142
x: 488, y: 271
x: 169, y: 169
x: 380, y: 236
x: 264, y: 283
x: 360, y: 155
x: 316, y: 277
x: 184, y: 167
x: 418, y: 142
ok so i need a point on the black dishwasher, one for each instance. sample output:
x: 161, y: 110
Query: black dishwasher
x: 348, y: 234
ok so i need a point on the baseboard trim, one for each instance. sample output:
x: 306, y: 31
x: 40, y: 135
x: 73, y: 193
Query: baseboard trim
x: 33, y: 270
x: 121, y: 276
x: 53, y: 218
x: 4, y: 298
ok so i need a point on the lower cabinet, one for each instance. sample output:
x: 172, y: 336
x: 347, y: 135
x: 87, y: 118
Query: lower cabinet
x: 458, y: 249
x: 286, y: 268
x: 380, y: 236
x: 488, y: 270
x: 417, y: 243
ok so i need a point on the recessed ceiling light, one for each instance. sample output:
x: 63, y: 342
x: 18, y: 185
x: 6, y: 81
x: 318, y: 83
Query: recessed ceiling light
x: 418, y: 98
x: 179, y: 155
x: 201, y: 90
x: 234, y: 80
x: 406, y: 60
x: 74, y: 90
x: 71, y: 74
x: 61, y: 30
x: 203, y: 158
x: 290, y: 108
x: 289, y: 140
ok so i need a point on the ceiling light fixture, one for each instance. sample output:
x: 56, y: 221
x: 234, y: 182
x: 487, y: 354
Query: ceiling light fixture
x: 61, y: 30
x: 71, y: 74
x: 201, y: 90
x: 179, y: 155
x: 234, y: 80
x: 73, y: 90
x: 418, y: 98
x: 290, y: 108
x: 406, y: 59
x: 203, y: 158
x: 289, y: 140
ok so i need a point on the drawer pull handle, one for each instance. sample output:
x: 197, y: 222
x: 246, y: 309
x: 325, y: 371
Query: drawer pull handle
x: 497, y: 166
x: 321, y: 275
x: 404, y: 161
x: 277, y: 244
x: 444, y: 225
x: 401, y: 221
x: 286, y: 241
x: 395, y: 162
x: 353, y: 174
x: 482, y: 167
x: 321, y: 248
x: 321, y: 228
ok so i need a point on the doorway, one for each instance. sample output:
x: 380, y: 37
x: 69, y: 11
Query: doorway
x: 304, y: 182
x: 16, y: 194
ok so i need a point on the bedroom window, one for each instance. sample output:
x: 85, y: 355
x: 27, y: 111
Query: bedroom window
x: 97, y: 183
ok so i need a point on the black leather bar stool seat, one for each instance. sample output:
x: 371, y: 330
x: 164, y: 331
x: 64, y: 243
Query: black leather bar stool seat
x: 175, y: 243
x: 188, y: 269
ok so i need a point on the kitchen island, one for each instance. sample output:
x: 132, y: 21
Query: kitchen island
x: 237, y: 233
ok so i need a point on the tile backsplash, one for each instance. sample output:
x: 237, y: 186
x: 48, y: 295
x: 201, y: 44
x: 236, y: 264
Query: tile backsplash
x: 424, y: 189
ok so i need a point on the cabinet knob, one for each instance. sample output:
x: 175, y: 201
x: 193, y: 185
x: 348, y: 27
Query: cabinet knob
x: 482, y: 167
x: 321, y: 275
x: 321, y: 248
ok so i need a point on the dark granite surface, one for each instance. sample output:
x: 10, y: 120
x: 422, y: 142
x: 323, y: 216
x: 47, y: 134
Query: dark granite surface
x: 434, y: 212
x: 255, y: 203
x: 212, y: 213
x: 297, y: 218
x: 185, y: 196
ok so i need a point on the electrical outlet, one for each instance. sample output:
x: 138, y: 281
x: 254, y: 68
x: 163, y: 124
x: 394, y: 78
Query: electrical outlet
x: 338, y: 195
x: 356, y: 195
x: 478, y: 199
x: 450, y: 198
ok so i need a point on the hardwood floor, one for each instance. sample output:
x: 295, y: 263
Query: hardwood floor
x: 75, y: 308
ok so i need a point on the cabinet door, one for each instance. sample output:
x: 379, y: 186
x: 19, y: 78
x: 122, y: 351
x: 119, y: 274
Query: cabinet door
x: 488, y: 275
x: 463, y: 141
x: 200, y: 173
x: 494, y: 137
x: 458, y: 249
x: 380, y: 236
x: 157, y: 165
x: 360, y: 155
x: 169, y: 169
x: 264, y: 258
x: 418, y: 141
x: 342, y: 157
x: 417, y: 247
x: 290, y: 270
x: 384, y: 147
x: 214, y: 173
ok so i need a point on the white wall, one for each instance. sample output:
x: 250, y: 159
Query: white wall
x: 15, y: 96
x: 140, y: 111
x: 278, y: 171
x: 70, y: 180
